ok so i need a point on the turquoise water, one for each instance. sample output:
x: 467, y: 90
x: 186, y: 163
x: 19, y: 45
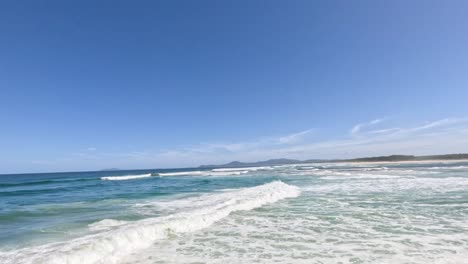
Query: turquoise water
x: 307, y: 213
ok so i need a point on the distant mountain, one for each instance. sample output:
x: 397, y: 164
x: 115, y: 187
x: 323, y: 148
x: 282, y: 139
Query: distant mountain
x: 391, y: 158
x: 238, y: 164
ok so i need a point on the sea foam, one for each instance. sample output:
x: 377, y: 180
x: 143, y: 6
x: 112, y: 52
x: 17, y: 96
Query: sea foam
x: 112, y: 245
x: 181, y: 173
x: 126, y: 177
x: 204, y: 173
x: 242, y: 169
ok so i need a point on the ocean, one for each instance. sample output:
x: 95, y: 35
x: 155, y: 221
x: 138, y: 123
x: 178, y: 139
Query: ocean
x: 303, y: 213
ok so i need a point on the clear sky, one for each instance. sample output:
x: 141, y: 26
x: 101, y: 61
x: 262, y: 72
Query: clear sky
x: 89, y: 85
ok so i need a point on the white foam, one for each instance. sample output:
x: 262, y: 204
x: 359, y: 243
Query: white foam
x: 364, y: 176
x: 204, y: 173
x: 225, y: 173
x: 331, y: 228
x: 395, y: 184
x: 242, y: 169
x: 181, y: 173
x: 307, y: 167
x: 126, y: 177
x: 111, y: 245
x: 286, y: 166
x: 450, y: 168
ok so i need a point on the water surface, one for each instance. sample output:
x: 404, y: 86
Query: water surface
x: 306, y: 213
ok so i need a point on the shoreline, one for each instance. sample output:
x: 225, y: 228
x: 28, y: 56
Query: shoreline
x: 406, y: 161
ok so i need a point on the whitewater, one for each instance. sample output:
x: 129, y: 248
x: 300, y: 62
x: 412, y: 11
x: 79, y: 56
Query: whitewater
x: 300, y: 213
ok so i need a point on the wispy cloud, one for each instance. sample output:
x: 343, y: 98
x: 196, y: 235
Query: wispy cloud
x: 447, y: 135
x: 235, y: 150
x: 439, y: 136
x: 358, y: 127
x: 295, y: 137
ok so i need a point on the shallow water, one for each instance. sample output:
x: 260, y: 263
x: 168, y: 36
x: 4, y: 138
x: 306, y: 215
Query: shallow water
x: 312, y: 213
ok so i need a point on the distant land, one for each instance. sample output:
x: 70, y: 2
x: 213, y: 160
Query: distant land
x: 237, y: 164
x: 391, y: 158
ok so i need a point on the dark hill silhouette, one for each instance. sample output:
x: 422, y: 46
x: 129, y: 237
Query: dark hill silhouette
x: 391, y: 158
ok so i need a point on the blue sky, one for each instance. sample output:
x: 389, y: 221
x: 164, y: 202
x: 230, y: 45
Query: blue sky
x: 145, y: 84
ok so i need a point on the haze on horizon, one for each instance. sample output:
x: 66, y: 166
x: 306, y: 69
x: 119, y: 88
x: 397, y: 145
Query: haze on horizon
x: 117, y: 84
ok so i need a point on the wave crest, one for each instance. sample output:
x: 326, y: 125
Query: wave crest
x: 111, y: 245
x: 126, y: 177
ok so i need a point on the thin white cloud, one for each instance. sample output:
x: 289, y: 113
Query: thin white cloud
x: 358, y: 127
x: 442, y: 122
x: 449, y: 135
x: 295, y: 137
x: 440, y: 136
x: 446, y: 135
x: 384, y: 131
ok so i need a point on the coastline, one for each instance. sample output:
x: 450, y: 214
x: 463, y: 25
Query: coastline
x: 408, y: 161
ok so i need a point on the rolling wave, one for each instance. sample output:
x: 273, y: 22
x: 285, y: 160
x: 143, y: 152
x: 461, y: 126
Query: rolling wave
x: 126, y: 177
x: 204, y: 173
x: 242, y: 169
x: 181, y: 173
x: 121, y: 238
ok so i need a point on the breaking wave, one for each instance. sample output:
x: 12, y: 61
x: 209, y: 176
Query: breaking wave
x: 182, y: 173
x: 204, y: 173
x: 122, y: 238
x: 126, y: 177
x: 242, y: 169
